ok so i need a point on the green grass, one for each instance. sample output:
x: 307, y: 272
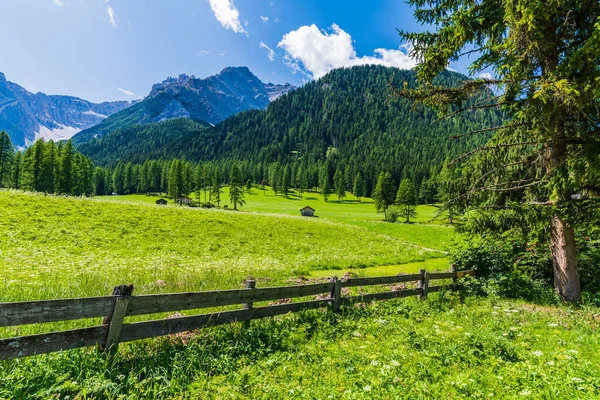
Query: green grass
x: 446, y: 347
x: 429, y: 229
x: 54, y: 247
x: 404, y: 349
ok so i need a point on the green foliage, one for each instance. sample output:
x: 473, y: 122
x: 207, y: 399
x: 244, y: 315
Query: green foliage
x: 236, y: 187
x: 406, y: 200
x: 358, y: 187
x: 544, y: 55
x: 384, y: 193
x: 6, y: 159
x: 363, y: 132
x: 479, y: 348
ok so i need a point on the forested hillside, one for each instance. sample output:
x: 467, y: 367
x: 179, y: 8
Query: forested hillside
x: 346, y: 117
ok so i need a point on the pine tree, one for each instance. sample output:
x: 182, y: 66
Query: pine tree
x: 339, y: 184
x: 6, y: 158
x: 15, y: 180
x: 32, y: 166
x: 49, y: 167
x: 118, y: 179
x: 215, y: 189
x: 236, y: 187
x: 175, y: 180
x: 384, y: 193
x: 359, y: 186
x: 285, y: 181
x: 66, y: 168
x: 406, y: 199
x: 542, y: 162
x: 248, y: 185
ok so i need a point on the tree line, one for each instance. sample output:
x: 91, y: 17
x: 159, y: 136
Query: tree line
x: 47, y: 167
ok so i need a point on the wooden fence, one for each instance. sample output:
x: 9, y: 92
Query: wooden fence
x: 122, y: 304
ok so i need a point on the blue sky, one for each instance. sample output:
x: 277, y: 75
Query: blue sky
x: 104, y: 50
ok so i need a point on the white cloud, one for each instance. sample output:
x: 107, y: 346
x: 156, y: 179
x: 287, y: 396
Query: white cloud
x: 203, y: 52
x: 127, y: 92
x: 59, y: 3
x: 264, y: 19
x: 316, y: 52
x: 227, y: 15
x: 112, y: 17
x: 270, y: 51
x: 222, y: 53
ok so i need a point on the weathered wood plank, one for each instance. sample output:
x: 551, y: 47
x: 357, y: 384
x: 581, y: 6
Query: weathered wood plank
x: 144, y: 330
x: 381, y: 280
x: 188, y: 301
x: 116, y: 324
x: 382, y: 296
x: 440, y: 275
x: 35, y: 312
x: 50, y: 342
x: 336, y: 294
x: 433, y: 289
x: 462, y: 274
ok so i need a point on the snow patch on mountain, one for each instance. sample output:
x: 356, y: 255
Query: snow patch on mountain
x: 61, y: 133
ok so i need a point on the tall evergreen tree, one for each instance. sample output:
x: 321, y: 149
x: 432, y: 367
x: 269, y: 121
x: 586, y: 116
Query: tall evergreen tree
x: 17, y: 168
x: 406, y: 199
x: 215, y: 188
x: 66, y: 168
x: 339, y: 184
x: 359, y: 186
x: 176, y: 184
x: 384, y: 193
x: 539, y: 173
x: 33, y: 162
x: 236, y: 187
x: 6, y: 158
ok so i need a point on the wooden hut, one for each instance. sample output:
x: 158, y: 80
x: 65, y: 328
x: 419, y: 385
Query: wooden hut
x: 308, y: 211
x: 161, y: 202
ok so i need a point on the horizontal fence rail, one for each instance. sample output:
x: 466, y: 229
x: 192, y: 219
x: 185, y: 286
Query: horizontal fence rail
x: 122, y: 304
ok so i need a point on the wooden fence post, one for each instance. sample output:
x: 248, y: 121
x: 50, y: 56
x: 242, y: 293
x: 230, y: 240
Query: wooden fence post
x: 116, y: 319
x: 423, y: 284
x: 454, y: 269
x: 336, y: 294
x: 250, y: 284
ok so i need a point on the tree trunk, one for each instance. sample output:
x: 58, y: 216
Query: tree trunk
x: 564, y: 259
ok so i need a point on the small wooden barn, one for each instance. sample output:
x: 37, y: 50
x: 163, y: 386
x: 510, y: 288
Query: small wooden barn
x: 161, y: 202
x: 308, y: 211
x: 184, y: 200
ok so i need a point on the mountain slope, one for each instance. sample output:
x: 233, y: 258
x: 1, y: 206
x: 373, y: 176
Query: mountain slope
x: 212, y: 100
x: 26, y: 116
x: 347, y: 115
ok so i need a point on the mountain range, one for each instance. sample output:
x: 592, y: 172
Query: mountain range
x: 26, y: 116
x: 210, y: 100
x: 346, y: 117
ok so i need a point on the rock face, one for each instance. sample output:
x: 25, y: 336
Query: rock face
x: 212, y: 99
x: 26, y: 116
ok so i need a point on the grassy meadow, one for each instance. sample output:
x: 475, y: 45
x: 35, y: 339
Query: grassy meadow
x: 56, y: 247
x: 453, y: 346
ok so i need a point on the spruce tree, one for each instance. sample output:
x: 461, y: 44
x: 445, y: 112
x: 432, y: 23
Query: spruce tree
x: 339, y: 184
x: 175, y: 180
x: 6, y: 158
x: 384, y: 193
x: 215, y: 188
x: 66, y: 168
x: 236, y: 187
x: 359, y: 186
x: 406, y: 200
x: 539, y: 173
